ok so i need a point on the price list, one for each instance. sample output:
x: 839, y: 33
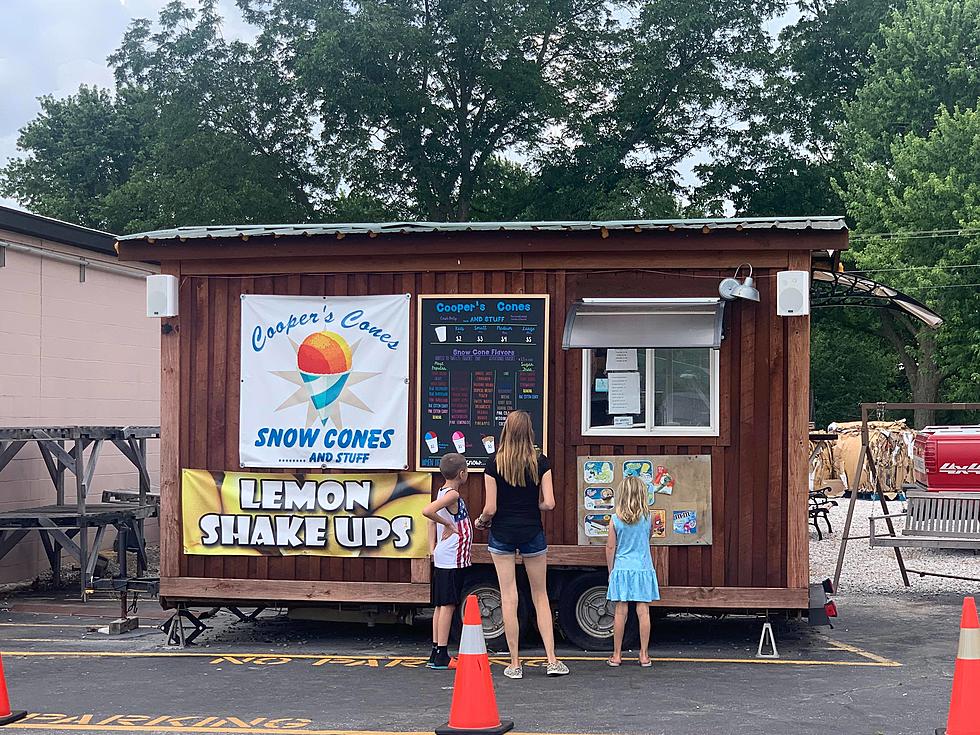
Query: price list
x: 480, y: 357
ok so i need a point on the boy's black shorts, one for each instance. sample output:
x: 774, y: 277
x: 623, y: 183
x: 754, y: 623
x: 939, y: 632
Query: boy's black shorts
x: 447, y: 586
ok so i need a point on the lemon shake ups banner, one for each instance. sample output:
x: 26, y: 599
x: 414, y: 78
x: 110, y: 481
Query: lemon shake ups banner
x: 324, y: 382
x: 363, y: 515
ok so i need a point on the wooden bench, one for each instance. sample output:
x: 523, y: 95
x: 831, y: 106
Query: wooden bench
x: 948, y: 520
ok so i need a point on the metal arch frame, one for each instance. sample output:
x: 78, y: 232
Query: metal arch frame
x: 853, y: 291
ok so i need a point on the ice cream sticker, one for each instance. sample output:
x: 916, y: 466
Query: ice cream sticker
x: 459, y: 441
x: 597, y: 525
x: 432, y: 441
x: 685, y: 521
x: 599, y: 498
x: 488, y: 444
x: 596, y: 472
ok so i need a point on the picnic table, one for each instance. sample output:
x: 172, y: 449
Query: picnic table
x: 64, y: 525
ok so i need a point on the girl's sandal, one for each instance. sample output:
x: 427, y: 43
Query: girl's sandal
x: 646, y: 664
x: 614, y: 664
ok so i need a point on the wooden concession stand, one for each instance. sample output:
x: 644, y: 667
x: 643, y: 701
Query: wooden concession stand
x: 752, y: 403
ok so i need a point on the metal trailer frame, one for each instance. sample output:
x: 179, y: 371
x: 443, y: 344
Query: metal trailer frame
x: 65, y: 526
x: 853, y: 481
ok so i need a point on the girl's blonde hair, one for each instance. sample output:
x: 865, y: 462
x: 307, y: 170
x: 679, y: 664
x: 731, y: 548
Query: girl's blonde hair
x: 631, y: 500
x: 517, y: 459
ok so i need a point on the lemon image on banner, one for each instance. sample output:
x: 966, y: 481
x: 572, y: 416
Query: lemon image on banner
x: 324, y: 363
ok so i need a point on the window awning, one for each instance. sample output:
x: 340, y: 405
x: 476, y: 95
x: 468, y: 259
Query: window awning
x: 597, y: 323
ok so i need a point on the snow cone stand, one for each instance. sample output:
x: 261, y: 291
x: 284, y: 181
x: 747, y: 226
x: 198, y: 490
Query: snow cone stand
x: 314, y: 374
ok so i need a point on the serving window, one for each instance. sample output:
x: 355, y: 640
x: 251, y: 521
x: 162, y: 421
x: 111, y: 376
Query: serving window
x: 650, y: 392
x: 650, y: 366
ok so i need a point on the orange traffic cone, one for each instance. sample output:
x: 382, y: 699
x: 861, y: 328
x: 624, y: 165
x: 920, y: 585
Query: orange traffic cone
x: 474, y: 707
x: 964, y: 705
x: 6, y: 715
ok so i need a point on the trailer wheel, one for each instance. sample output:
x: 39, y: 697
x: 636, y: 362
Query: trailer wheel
x: 586, y: 617
x: 484, y: 586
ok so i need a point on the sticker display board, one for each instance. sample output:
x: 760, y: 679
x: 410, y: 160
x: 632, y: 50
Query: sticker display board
x: 325, y: 381
x: 480, y: 357
x: 247, y: 514
x: 678, y: 493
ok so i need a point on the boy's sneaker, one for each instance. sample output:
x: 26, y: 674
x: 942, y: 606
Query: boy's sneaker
x: 441, y: 660
x: 558, y: 669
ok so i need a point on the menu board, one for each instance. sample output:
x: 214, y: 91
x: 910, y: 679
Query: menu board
x: 678, y: 491
x: 480, y: 357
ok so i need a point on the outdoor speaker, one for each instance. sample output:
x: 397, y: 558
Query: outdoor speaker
x: 161, y: 295
x: 793, y: 293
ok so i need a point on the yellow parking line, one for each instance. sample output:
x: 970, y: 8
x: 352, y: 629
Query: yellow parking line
x: 28, y: 725
x: 862, y: 653
x: 876, y: 661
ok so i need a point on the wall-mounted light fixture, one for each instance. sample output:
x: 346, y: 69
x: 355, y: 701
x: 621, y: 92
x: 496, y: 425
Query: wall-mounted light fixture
x: 731, y: 288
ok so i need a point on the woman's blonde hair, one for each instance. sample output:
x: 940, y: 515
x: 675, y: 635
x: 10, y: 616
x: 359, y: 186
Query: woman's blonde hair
x: 517, y: 459
x: 631, y: 500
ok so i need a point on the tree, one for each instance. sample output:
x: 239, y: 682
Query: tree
x: 199, y: 131
x: 79, y: 149
x: 679, y: 75
x: 850, y: 364
x: 926, y: 62
x: 418, y: 97
x: 929, y: 185
x: 783, y: 156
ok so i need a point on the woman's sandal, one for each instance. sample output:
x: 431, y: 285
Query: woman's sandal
x: 614, y: 664
x: 646, y: 664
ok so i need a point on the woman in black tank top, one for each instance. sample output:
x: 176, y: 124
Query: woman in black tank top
x: 518, y: 487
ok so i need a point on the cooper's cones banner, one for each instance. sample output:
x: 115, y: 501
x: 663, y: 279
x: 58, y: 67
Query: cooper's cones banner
x: 964, y: 705
x: 324, y: 381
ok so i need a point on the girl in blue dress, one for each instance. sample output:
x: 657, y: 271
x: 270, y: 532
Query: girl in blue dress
x: 632, y: 577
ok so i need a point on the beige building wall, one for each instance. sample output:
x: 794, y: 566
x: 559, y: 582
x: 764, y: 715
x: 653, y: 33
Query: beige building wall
x: 71, y: 353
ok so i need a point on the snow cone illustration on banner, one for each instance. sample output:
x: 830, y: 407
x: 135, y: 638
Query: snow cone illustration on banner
x: 324, y: 362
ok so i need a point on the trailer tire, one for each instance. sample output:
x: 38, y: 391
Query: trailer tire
x: 484, y: 586
x: 585, y: 617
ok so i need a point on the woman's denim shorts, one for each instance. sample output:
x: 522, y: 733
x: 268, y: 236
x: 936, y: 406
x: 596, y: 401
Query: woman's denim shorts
x: 535, y: 547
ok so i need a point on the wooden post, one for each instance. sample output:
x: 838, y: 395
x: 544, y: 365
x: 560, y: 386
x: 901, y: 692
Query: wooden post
x: 797, y: 421
x: 170, y: 439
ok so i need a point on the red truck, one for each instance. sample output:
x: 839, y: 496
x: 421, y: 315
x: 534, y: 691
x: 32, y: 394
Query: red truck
x: 947, y: 458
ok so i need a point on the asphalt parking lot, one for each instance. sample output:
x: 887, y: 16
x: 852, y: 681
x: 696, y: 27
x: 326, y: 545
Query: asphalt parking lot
x: 885, y: 668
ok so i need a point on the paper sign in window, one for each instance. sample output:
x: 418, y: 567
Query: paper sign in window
x: 621, y: 359
x: 624, y: 393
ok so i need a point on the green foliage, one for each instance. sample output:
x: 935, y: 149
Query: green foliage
x: 80, y: 149
x: 850, y: 364
x: 927, y: 61
x: 417, y: 98
x: 931, y: 183
x: 912, y: 136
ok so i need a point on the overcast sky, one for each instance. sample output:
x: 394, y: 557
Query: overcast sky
x: 52, y: 46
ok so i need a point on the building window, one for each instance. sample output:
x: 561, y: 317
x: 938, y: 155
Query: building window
x: 650, y: 392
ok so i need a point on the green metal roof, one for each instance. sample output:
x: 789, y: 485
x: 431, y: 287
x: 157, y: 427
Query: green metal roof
x: 404, y: 228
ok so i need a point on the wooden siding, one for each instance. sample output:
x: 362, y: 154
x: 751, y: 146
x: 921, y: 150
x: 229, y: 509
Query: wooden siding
x: 758, y: 461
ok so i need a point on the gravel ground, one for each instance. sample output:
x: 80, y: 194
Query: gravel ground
x: 875, y: 570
